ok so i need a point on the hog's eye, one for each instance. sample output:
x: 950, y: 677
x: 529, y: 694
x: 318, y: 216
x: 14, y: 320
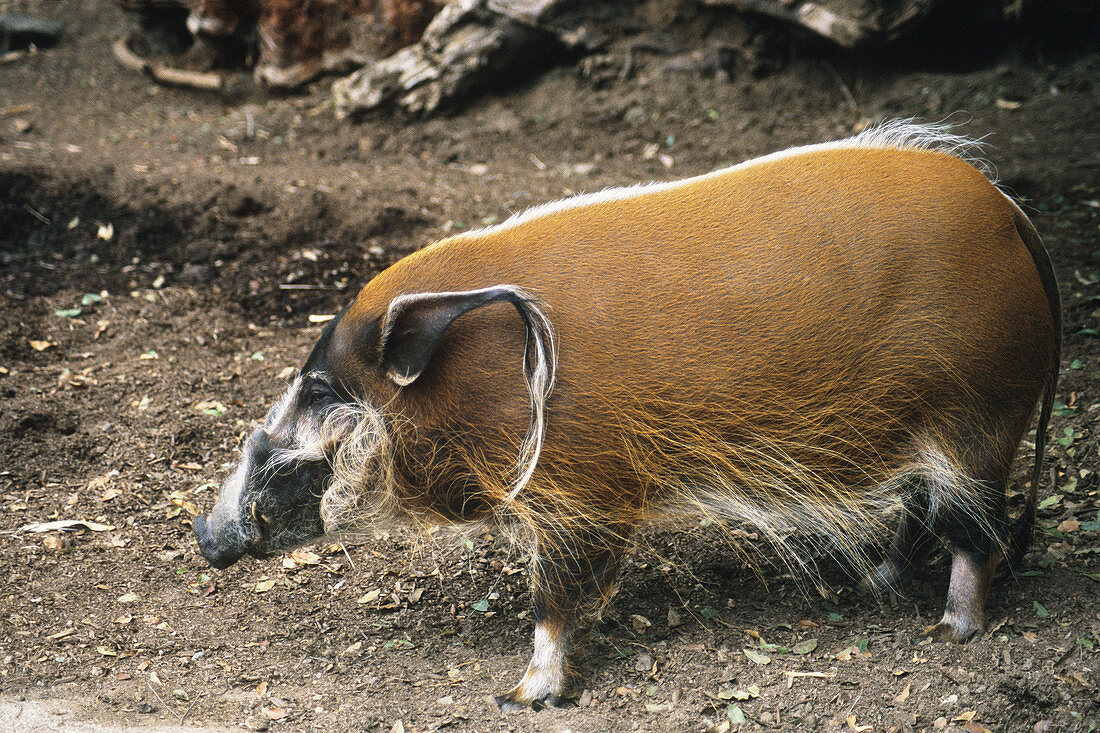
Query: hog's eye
x: 319, y: 395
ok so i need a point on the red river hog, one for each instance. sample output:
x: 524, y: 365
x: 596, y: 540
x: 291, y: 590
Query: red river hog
x: 815, y: 342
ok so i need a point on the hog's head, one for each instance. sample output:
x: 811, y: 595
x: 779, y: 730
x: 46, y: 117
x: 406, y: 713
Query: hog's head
x: 326, y: 445
x: 272, y: 500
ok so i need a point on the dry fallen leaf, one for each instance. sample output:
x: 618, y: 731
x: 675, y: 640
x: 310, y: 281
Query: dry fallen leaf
x: 102, y: 482
x: 756, y: 657
x: 40, y: 345
x: 305, y: 557
x: 967, y: 716
x: 178, y: 499
x: 370, y: 597
x: 211, y: 407
x: 851, y: 721
x: 1069, y: 525
x: 275, y: 713
x: 264, y: 586
x: 53, y: 542
x: 904, y: 694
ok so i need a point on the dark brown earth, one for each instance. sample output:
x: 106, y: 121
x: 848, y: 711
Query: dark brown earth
x: 162, y: 251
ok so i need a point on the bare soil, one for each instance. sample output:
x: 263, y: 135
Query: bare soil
x: 162, y: 251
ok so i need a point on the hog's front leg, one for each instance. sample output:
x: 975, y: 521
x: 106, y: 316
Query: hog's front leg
x: 573, y: 577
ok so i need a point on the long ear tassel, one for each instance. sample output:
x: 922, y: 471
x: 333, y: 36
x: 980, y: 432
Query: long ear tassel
x: 539, y: 371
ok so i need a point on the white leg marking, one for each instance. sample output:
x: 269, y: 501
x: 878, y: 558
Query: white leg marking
x: 545, y: 676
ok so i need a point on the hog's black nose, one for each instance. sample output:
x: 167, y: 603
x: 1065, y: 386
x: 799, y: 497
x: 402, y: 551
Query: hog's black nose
x: 215, y: 553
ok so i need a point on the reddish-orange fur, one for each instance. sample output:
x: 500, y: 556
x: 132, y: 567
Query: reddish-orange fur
x: 798, y: 336
x: 696, y: 295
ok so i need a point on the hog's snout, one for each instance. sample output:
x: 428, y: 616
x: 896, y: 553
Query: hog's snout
x: 270, y: 503
x: 216, y: 551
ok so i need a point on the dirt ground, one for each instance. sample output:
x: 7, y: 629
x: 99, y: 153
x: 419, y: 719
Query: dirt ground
x: 163, y: 251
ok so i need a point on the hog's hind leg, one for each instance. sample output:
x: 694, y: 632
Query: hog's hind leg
x: 975, y: 523
x: 909, y: 548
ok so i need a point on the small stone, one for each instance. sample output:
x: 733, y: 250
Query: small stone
x: 634, y: 115
x: 255, y: 722
x: 196, y: 274
x: 673, y: 618
x: 146, y: 708
x: 644, y: 663
x: 585, y: 699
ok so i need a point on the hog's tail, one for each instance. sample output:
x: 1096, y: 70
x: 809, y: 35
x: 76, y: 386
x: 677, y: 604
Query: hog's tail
x: 539, y: 368
x: 1021, y: 531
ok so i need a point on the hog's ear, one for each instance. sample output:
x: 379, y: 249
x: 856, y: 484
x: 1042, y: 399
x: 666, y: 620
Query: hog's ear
x: 415, y: 323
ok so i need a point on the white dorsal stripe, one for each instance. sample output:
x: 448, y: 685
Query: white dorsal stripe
x: 890, y: 135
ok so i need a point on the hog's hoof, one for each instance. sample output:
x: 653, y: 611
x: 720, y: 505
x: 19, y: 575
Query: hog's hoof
x: 952, y: 631
x: 512, y: 700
